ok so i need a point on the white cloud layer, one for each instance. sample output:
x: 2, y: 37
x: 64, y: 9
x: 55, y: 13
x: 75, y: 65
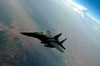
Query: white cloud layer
x: 80, y: 9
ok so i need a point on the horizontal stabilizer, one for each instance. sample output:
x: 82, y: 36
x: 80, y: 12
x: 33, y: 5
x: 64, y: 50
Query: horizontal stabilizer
x: 62, y: 46
x: 58, y: 47
x: 57, y: 36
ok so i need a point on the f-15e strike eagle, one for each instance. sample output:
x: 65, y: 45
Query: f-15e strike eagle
x: 47, y: 39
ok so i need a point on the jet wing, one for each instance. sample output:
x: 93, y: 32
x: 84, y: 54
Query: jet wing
x: 57, y: 46
x: 48, y: 34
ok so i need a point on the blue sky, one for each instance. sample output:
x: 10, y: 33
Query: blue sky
x: 93, y: 7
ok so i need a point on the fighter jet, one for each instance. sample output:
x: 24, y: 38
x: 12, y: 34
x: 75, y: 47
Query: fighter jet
x: 47, y: 39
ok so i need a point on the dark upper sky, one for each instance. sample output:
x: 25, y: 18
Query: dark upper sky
x: 93, y: 7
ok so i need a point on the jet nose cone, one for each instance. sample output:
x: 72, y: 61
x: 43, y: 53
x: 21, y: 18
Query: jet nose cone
x: 22, y: 33
x: 60, y: 33
x: 31, y: 34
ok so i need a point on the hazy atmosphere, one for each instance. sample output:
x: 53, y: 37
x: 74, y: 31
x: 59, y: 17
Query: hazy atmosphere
x: 58, y: 16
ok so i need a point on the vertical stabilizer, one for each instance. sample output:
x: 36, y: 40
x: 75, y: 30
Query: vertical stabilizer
x: 57, y: 36
x: 63, y: 40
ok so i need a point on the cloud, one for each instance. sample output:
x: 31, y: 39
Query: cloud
x: 95, y: 27
x: 79, y: 9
